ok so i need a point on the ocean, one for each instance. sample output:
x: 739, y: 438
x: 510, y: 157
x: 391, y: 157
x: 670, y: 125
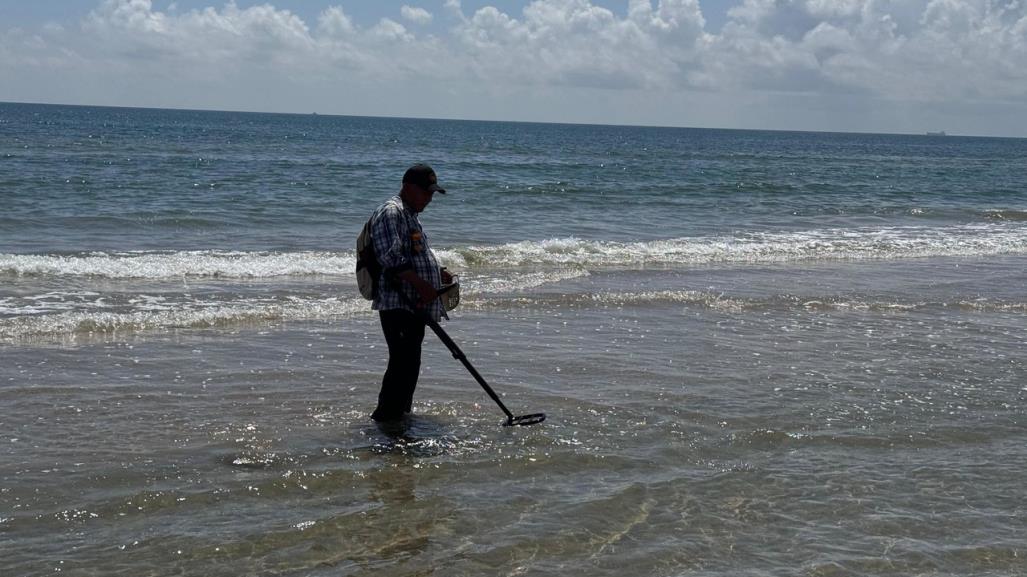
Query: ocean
x: 760, y: 353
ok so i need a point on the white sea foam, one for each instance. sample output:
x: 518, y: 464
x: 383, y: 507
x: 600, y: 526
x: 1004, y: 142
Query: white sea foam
x: 766, y: 247
x: 195, y: 315
x: 1006, y: 214
x: 183, y: 264
x: 156, y: 313
x: 512, y: 283
x: 565, y: 253
x: 710, y: 300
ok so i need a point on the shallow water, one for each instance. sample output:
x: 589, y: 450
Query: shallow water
x: 759, y: 353
x: 683, y: 437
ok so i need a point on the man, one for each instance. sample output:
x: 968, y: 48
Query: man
x: 408, y: 265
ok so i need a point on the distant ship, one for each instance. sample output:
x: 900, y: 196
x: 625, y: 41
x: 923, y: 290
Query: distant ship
x: 941, y: 133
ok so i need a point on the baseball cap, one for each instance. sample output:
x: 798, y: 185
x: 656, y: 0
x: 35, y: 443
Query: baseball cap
x: 422, y: 175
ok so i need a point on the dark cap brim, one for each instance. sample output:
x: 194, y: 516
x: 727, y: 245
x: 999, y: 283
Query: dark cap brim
x: 436, y: 188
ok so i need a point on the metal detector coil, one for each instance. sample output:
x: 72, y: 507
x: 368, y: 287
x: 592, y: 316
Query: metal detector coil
x: 525, y: 420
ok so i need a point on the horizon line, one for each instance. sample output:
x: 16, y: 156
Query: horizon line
x: 932, y: 133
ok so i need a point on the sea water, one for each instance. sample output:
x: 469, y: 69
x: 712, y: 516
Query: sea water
x: 760, y: 353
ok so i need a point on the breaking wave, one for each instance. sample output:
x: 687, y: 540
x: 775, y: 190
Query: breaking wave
x: 184, y: 264
x: 185, y: 316
x: 828, y: 244
x: 1006, y: 215
x: 998, y: 238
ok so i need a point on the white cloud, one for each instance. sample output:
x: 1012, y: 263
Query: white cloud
x: 391, y: 30
x: 124, y: 31
x: 573, y: 42
x: 958, y: 49
x: 334, y: 22
x: 915, y: 51
x: 416, y: 15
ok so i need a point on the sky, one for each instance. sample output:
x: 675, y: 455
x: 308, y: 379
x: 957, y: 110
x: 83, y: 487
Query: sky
x: 895, y: 66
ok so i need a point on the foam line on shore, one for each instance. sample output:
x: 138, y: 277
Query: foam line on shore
x: 239, y: 313
x: 199, y: 315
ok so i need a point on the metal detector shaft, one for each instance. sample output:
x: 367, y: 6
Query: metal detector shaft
x: 531, y: 419
x: 460, y: 356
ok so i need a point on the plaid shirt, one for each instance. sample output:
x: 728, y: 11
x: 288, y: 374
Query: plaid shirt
x: 401, y: 245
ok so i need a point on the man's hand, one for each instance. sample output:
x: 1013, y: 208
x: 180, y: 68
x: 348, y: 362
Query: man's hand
x: 425, y: 290
x: 446, y: 277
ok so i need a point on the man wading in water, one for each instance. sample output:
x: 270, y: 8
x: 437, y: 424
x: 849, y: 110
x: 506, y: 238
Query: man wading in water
x: 406, y: 259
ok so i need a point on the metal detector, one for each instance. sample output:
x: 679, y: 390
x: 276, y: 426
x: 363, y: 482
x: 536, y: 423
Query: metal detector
x: 523, y: 420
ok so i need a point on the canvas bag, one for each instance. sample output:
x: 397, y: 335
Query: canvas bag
x: 368, y: 268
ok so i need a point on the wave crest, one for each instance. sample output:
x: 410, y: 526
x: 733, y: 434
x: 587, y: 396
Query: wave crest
x: 999, y: 238
x: 756, y: 247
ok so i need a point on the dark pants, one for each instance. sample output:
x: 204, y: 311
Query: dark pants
x: 404, y: 333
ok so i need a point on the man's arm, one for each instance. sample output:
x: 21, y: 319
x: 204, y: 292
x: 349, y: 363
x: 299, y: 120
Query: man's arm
x: 387, y: 235
x: 424, y: 288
